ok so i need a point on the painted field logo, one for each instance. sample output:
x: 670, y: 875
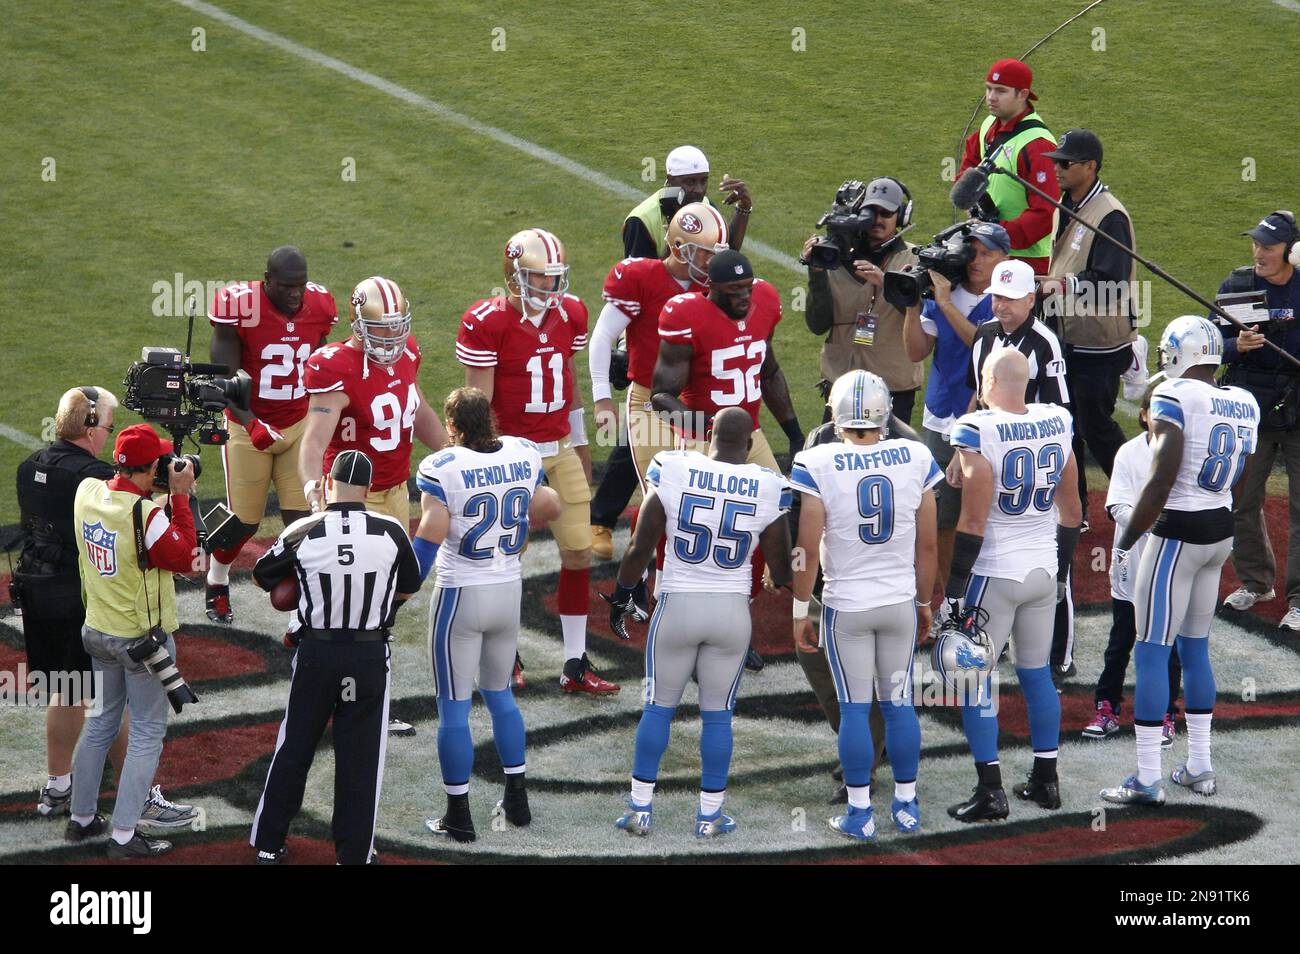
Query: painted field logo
x: 101, y: 547
x: 77, y: 907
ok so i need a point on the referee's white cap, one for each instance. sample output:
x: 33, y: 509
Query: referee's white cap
x: 352, y: 467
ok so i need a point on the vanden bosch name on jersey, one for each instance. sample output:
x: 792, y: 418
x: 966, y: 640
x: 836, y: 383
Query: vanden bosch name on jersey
x: 1031, y: 430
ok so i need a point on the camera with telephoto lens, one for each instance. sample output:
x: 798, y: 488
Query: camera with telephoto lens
x: 847, y: 225
x: 949, y: 254
x: 151, y: 649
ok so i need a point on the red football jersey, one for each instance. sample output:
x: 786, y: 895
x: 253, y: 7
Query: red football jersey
x: 533, y: 386
x: 379, y: 419
x: 728, y: 355
x: 638, y: 287
x: 275, y: 347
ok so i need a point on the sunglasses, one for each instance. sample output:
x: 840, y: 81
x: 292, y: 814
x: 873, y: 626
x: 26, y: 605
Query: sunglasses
x: 1065, y: 163
x: 108, y: 427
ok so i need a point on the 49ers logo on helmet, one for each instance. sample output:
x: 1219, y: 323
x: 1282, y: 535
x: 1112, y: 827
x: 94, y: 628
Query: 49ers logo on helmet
x: 514, y: 250
x: 691, y: 224
x: 358, y: 298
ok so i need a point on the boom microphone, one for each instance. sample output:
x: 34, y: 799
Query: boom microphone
x: 972, y: 185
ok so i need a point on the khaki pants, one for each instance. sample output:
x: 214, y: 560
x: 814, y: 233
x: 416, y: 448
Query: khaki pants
x: 647, y: 433
x: 395, y: 502
x: 250, y: 473
x: 564, y: 474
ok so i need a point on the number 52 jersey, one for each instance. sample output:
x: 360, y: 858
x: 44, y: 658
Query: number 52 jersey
x: 715, y: 513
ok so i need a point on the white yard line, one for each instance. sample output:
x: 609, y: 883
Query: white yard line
x: 19, y: 437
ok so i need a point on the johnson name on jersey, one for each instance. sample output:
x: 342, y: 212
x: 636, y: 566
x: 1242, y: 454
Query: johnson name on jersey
x: 1027, y: 452
x: 870, y: 493
x: 1220, y: 428
x: 715, y: 514
x: 727, y: 355
x: 379, y: 418
x: 275, y: 347
x: 639, y: 288
x: 487, y: 496
x: 532, y: 388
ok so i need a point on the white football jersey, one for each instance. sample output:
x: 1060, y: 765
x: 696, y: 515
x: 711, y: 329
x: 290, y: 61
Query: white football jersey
x: 1127, y: 478
x: 487, y: 496
x: 871, y: 493
x: 1028, y: 452
x: 1220, y: 428
x: 715, y: 512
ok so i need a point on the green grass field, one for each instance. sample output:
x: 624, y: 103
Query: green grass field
x: 170, y: 161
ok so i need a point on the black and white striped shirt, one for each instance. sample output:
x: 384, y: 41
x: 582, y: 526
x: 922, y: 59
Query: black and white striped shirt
x: 1038, y: 344
x: 350, y: 564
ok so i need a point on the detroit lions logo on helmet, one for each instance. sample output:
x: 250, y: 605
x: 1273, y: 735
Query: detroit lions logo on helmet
x: 967, y: 658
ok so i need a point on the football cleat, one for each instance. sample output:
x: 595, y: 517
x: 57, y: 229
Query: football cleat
x: 602, y: 542
x: 637, y: 820
x: 1167, y: 732
x: 514, y: 803
x: 1104, y: 724
x: 711, y: 826
x: 398, y: 727
x: 53, y: 803
x: 456, y: 823
x: 218, y: 604
x: 985, y: 804
x: 517, y: 676
x: 580, y: 676
x: 1132, y: 792
x: 1043, y: 794
x: 906, y: 815
x: 1203, y: 784
x: 160, y: 813
x: 858, y: 823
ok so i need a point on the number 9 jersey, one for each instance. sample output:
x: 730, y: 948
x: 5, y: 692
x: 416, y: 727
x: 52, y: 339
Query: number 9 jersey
x: 487, y: 496
x: 715, y: 513
x: 1028, y: 452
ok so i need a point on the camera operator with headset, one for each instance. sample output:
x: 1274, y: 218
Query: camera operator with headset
x: 1275, y: 384
x: 129, y: 550
x: 846, y: 277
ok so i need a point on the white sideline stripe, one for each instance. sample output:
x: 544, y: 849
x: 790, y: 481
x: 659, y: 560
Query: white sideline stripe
x: 19, y: 437
x: 609, y: 184
x: 1292, y: 5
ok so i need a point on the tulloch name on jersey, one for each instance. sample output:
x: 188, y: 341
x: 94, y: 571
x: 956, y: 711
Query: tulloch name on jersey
x: 1030, y: 430
x: 867, y: 460
x: 497, y: 474
x: 1238, y: 410
x: 720, y: 484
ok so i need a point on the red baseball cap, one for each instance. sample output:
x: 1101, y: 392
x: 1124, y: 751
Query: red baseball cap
x: 1012, y: 73
x: 139, y: 445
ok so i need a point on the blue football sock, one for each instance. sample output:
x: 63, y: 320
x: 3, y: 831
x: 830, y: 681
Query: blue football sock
x: 856, y: 746
x: 1198, y: 676
x: 981, y: 725
x: 651, y: 741
x: 715, y: 749
x: 902, y: 738
x: 1151, y: 695
x: 1044, y: 707
x: 507, y: 726
x: 455, y: 748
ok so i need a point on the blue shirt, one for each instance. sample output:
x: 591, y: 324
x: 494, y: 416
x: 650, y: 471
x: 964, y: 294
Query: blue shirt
x: 946, y: 392
x: 1284, y: 311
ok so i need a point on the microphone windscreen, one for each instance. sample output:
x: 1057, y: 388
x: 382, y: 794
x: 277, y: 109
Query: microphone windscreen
x: 966, y: 192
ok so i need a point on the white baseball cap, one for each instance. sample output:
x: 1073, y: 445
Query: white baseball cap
x: 686, y: 161
x: 1011, y: 279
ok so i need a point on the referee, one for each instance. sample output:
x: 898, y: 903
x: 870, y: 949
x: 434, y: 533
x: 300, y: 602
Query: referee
x: 354, y: 568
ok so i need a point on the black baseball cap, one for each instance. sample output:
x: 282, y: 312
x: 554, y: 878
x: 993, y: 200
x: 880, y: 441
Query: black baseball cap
x: 1077, y: 145
x: 1272, y: 229
x: 352, y: 467
x: 729, y: 266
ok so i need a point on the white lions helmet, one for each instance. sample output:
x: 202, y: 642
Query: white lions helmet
x: 1188, y: 341
x: 963, y: 654
x: 859, y: 400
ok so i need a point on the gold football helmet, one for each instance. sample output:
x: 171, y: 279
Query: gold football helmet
x: 536, y: 270
x: 381, y: 319
x: 696, y: 233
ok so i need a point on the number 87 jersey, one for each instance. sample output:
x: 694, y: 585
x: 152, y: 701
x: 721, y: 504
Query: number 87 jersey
x: 1220, y: 428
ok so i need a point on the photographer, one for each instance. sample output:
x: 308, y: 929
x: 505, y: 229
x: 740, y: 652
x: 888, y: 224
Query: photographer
x: 846, y: 277
x: 946, y: 325
x: 1274, y: 384
x: 129, y: 551
x: 686, y: 181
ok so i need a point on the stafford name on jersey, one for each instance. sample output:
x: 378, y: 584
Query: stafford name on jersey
x: 868, y: 460
x: 728, y: 484
x: 1030, y: 430
x: 516, y: 470
x: 1237, y: 410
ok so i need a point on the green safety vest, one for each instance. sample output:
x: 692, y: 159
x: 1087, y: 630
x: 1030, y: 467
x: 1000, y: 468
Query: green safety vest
x: 653, y: 219
x: 1008, y: 194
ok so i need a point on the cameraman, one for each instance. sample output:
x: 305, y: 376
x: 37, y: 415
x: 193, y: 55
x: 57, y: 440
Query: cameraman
x: 687, y: 169
x: 46, y: 578
x: 1274, y: 383
x: 124, y: 602
x: 847, y: 303
x: 946, y: 325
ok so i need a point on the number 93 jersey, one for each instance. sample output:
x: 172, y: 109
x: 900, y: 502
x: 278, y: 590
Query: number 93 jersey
x: 715, y: 513
x: 1028, y: 452
x: 871, y: 493
x: 487, y: 496
x: 1220, y: 427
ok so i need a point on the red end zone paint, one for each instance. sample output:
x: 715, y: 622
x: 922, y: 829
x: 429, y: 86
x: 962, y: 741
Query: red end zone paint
x: 203, y: 657
x: 217, y: 755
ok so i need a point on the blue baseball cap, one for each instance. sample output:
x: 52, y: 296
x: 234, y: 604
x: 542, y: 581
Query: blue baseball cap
x: 1272, y: 229
x: 992, y: 236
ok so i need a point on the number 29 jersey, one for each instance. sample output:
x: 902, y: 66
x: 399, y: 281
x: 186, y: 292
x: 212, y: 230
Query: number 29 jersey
x: 715, y: 513
x: 1220, y: 428
x: 487, y: 496
x: 870, y: 493
x: 1027, y: 452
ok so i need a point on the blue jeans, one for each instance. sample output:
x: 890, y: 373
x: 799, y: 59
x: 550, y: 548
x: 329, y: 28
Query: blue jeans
x: 130, y: 684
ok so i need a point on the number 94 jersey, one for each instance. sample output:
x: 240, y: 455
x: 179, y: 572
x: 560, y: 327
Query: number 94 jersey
x: 1028, y: 452
x: 715, y: 512
x: 487, y: 496
x: 1220, y: 428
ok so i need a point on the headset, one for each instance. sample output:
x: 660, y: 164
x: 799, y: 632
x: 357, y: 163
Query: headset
x: 92, y: 395
x: 1292, y: 240
x: 904, y: 211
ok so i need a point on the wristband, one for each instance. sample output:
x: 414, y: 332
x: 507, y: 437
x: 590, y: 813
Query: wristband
x: 800, y: 608
x: 921, y: 603
x: 745, y: 211
x: 578, y: 427
x: 1067, y: 538
x: 310, y: 487
x: 965, y: 551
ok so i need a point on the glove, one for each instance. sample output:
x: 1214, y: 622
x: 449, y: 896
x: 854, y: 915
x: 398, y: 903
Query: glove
x: 618, y: 378
x: 1122, y: 572
x: 986, y: 210
x: 262, y: 435
x: 622, y: 603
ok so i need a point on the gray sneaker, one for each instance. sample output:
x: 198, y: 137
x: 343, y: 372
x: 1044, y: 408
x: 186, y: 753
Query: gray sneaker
x: 1242, y: 599
x: 1291, y: 620
x: 140, y: 846
x: 1203, y: 784
x: 54, y: 803
x: 160, y: 813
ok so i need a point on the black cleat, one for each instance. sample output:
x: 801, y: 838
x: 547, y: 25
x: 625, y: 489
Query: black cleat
x: 456, y: 822
x: 1043, y: 794
x: 218, y: 600
x: 985, y: 804
x: 514, y: 805
x: 753, y: 661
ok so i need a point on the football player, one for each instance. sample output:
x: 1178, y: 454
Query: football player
x: 1201, y: 435
x: 518, y: 350
x: 715, y: 510
x: 869, y: 510
x: 365, y: 396
x: 1019, y: 525
x: 268, y: 328
x: 477, y: 498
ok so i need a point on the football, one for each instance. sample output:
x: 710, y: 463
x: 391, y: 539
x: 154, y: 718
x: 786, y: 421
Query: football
x: 284, y: 595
